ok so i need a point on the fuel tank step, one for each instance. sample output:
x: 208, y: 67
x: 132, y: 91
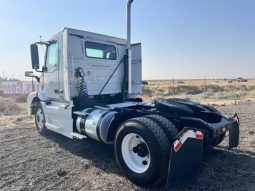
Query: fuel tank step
x: 78, y: 136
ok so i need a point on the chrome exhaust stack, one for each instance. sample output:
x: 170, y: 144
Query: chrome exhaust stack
x: 129, y: 46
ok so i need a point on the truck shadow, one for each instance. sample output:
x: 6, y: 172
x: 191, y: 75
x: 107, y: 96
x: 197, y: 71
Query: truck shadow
x: 220, y: 168
x: 100, y: 155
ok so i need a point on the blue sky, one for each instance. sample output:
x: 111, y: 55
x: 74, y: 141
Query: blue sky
x: 180, y: 38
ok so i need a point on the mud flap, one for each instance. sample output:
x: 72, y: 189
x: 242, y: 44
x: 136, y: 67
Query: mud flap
x: 234, y: 132
x: 185, y: 158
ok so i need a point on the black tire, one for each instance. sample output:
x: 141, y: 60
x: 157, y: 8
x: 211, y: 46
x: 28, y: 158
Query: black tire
x: 157, y: 144
x: 168, y: 127
x: 41, y: 128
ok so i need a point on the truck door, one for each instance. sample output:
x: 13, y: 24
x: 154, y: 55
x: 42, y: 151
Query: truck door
x: 51, y: 81
x: 101, y: 58
x: 57, y: 112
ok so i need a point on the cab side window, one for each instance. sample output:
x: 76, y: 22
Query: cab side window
x: 100, y: 51
x: 52, y: 56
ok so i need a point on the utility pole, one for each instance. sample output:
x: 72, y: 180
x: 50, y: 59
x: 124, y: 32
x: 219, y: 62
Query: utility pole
x: 204, y: 83
x: 173, y: 84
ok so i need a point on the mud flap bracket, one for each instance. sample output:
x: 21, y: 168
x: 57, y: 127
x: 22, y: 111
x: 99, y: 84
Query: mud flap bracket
x: 185, y: 158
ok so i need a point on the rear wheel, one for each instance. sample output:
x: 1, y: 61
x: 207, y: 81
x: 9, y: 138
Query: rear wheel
x: 167, y: 126
x: 40, y: 119
x: 142, y: 151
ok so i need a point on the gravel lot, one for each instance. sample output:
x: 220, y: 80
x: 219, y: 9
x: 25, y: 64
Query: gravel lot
x: 29, y: 161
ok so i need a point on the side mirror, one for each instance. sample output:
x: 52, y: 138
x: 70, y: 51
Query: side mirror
x: 29, y: 74
x: 34, y: 56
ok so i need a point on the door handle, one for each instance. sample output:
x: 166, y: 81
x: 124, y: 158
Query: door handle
x: 58, y: 91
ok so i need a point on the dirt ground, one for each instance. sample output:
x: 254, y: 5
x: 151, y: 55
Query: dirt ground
x: 29, y: 161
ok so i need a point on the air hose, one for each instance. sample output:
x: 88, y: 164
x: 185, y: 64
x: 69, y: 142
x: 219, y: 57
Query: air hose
x: 81, y: 87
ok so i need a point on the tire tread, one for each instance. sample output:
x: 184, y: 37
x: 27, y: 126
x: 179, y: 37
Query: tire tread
x: 168, y: 127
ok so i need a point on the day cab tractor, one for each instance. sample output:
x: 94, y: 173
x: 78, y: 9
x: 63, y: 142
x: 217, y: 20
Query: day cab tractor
x: 90, y: 86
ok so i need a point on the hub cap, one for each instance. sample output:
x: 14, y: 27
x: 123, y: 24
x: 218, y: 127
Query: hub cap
x: 39, y: 118
x: 136, y: 153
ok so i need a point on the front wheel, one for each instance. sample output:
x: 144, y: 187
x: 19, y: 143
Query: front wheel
x: 142, y: 151
x: 40, y: 119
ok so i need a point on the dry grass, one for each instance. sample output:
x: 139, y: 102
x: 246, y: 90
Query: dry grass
x: 21, y: 98
x: 9, y: 106
x: 205, y: 91
x: 12, y: 113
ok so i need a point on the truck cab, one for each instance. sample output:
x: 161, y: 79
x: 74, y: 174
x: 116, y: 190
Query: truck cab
x: 97, y: 55
x: 82, y: 69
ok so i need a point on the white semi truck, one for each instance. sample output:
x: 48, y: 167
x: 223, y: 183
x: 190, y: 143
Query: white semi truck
x: 90, y: 87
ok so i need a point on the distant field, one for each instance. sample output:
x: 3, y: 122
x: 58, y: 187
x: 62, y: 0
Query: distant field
x: 216, y: 92
x: 219, y: 92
